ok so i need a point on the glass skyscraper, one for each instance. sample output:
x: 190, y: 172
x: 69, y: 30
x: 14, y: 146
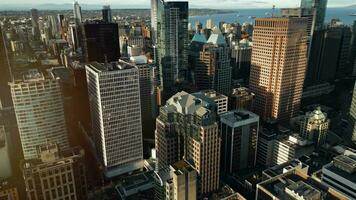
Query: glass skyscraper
x: 319, y: 7
x: 172, y: 42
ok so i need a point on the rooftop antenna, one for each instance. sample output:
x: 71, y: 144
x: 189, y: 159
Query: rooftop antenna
x: 273, y: 10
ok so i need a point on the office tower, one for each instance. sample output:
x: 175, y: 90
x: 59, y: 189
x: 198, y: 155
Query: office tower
x: 184, y: 179
x: 291, y: 147
x: 340, y: 174
x: 5, y: 167
x: 38, y: 105
x: 148, y: 94
x: 329, y: 55
x: 241, y: 98
x: 35, y: 26
x: 319, y: 9
x: 209, y: 24
x: 239, y: 132
x: 353, y: 115
x: 195, y: 46
x: 154, y: 4
x: 101, y: 42
x: 198, y: 27
x: 55, y: 174
x: 130, y: 40
x: 315, y: 127
x: 212, y: 97
x: 106, y: 12
x: 292, y: 181
x: 241, y: 60
x: 213, y: 70
x: 77, y: 12
x: 5, y: 73
x: 266, y: 140
x: 76, y: 36
x: 178, y: 181
x: 114, y: 97
x: 8, y: 189
x: 172, y: 44
x: 306, y: 12
x: 278, y: 68
x: 186, y: 126
x: 352, y: 56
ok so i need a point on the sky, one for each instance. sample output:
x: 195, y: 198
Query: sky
x: 193, y: 3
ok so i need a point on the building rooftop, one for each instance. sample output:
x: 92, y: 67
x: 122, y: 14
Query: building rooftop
x: 181, y: 167
x: 344, y: 166
x: 235, y: 118
x: 185, y: 103
x: 216, y: 37
x: 114, y: 66
x: 199, y: 37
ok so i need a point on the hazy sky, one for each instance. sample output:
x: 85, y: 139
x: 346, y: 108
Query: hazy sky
x: 193, y: 3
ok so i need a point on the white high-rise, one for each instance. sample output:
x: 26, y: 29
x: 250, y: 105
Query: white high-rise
x: 77, y: 12
x: 114, y: 97
x: 39, y: 110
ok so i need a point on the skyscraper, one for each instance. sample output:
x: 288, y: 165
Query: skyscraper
x: 241, y: 60
x: 55, y: 174
x: 239, y: 132
x: 353, y: 115
x: 172, y: 43
x: 5, y: 73
x: 184, y: 179
x: 187, y: 127
x: 315, y: 127
x: 39, y: 109
x: 35, y: 26
x: 213, y: 70
x: 114, y: 97
x: 278, y: 68
x: 77, y: 12
x: 154, y: 4
x: 101, y: 42
x: 106, y: 11
x: 319, y: 9
x: 241, y: 98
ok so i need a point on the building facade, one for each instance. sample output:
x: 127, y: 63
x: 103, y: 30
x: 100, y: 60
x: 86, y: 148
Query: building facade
x: 114, y: 98
x: 239, y: 132
x: 55, y: 174
x: 315, y: 127
x: 278, y: 68
x: 39, y: 109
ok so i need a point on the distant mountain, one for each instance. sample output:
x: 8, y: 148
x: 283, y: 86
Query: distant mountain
x: 351, y: 6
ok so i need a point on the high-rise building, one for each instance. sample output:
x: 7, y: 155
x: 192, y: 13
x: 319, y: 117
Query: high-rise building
x: 106, y: 12
x: 187, y: 127
x: 241, y: 98
x: 353, y: 115
x: 172, y: 44
x: 101, y: 42
x: 154, y: 4
x: 329, y: 55
x: 148, y: 94
x: 213, y: 70
x: 184, y: 179
x: 319, y: 9
x: 291, y: 147
x: 209, y: 24
x: 315, y: 127
x: 114, y: 97
x: 176, y: 182
x: 266, y: 140
x: 77, y: 12
x: 352, y: 56
x: 340, y: 174
x: 39, y: 109
x: 55, y: 174
x: 5, y: 73
x: 241, y: 60
x: 278, y: 68
x: 35, y: 26
x: 212, y: 96
x: 239, y: 132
